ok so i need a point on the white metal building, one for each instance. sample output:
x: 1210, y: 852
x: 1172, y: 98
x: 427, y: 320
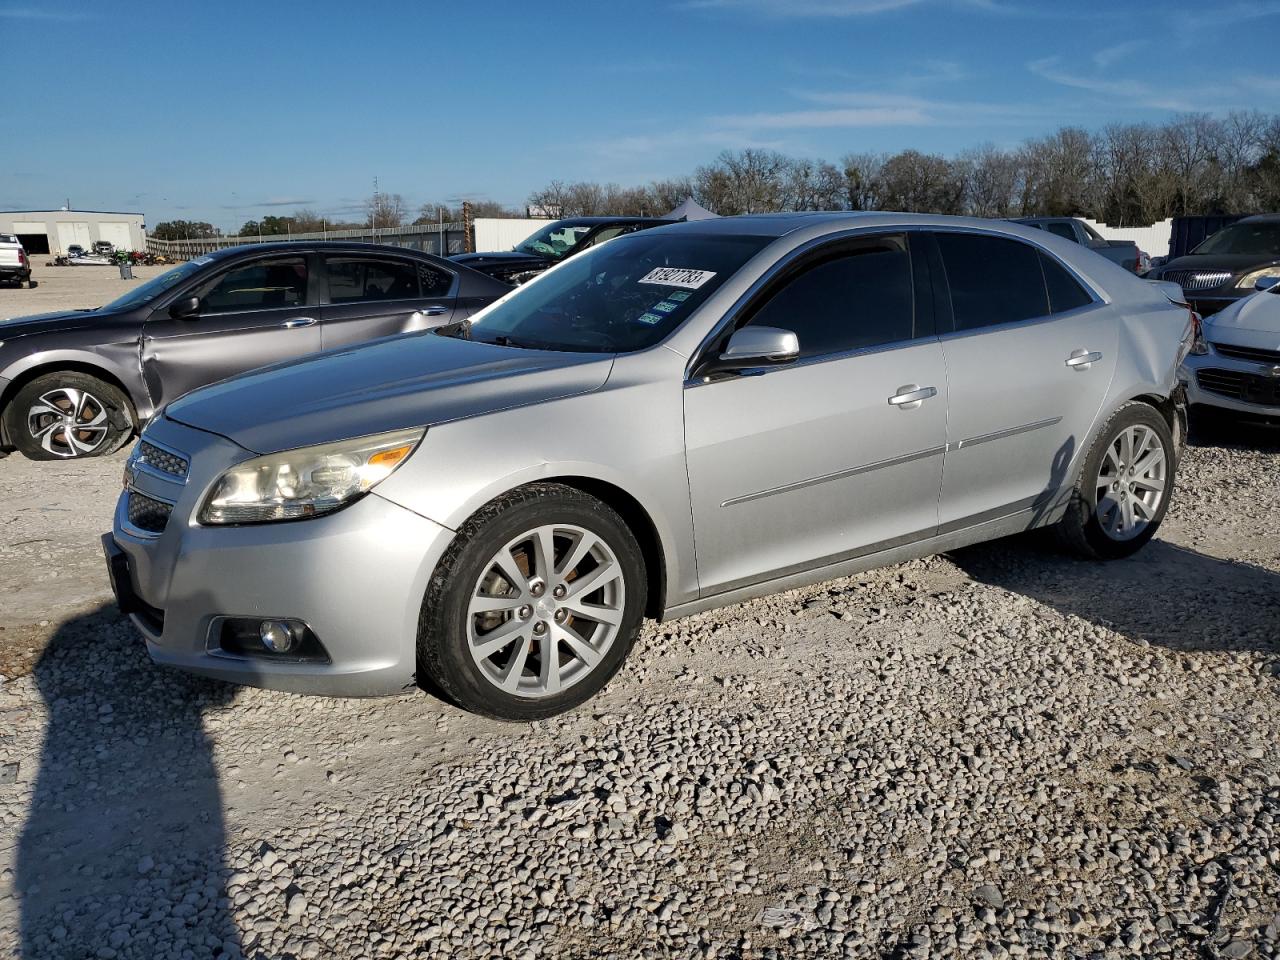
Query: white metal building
x: 52, y: 231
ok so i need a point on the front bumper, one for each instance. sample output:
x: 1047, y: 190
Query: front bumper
x: 356, y: 578
x: 1241, y: 386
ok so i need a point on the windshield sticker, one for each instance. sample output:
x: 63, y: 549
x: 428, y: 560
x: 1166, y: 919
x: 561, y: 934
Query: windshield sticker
x: 679, y: 295
x: 677, y: 277
x: 650, y: 318
x: 666, y: 306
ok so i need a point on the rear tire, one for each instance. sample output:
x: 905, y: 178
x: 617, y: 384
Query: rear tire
x: 1124, y: 486
x: 68, y: 415
x: 503, y: 632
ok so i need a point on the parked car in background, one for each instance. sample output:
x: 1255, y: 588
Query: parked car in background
x: 552, y: 244
x: 1234, y: 364
x: 1228, y: 265
x: 77, y: 383
x: 494, y: 510
x: 1122, y: 252
x: 103, y: 248
x: 15, y: 265
x: 75, y: 250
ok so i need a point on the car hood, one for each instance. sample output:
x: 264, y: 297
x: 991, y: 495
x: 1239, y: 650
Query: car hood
x: 413, y: 380
x: 15, y: 327
x: 1251, y: 322
x: 1211, y: 262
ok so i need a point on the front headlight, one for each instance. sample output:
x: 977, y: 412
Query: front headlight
x: 306, y: 482
x: 1253, y: 276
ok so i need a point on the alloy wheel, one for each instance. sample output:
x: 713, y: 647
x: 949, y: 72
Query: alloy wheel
x: 1131, y: 482
x: 545, y: 610
x: 68, y: 422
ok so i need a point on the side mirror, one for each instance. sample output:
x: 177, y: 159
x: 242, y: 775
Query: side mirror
x: 186, y: 308
x: 756, y: 347
x: 1266, y: 283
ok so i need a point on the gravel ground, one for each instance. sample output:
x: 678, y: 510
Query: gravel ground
x: 69, y: 288
x: 1002, y: 752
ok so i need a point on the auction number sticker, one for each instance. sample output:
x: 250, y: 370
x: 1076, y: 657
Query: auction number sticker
x: 677, y: 277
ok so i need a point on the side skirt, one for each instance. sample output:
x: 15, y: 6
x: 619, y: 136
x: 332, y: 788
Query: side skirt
x: 1025, y: 519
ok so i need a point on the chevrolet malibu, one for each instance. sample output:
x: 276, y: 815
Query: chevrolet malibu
x: 677, y: 420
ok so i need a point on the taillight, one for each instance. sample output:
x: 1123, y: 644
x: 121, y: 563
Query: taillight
x: 22, y: 256
x: 1199, y: 347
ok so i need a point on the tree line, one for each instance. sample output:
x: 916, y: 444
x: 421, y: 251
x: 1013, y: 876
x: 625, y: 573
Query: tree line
x: 1124, y: 175
x: 1127, y: 174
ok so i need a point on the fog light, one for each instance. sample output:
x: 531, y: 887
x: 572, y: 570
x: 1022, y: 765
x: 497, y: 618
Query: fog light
x: 277, y: 636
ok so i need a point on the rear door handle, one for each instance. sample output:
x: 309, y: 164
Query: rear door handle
x: 435, y: 310
x: 910, y: 396
x: 1081, y: 359
x: 299, y: 322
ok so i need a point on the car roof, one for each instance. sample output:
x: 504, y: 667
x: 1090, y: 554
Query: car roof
x: 275, y: 246
x: 781, y: 224
x: 593, y: 221
x: 1259, y: 218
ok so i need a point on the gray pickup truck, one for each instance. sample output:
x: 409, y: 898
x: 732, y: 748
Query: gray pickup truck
x: 1123, y: 252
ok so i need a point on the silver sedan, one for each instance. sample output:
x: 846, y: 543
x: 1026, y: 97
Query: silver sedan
x: 675, y: 420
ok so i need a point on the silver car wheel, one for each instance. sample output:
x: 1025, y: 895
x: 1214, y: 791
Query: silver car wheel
x: 545, y: 610
x: 1131, y: 482
x: 68, y: 422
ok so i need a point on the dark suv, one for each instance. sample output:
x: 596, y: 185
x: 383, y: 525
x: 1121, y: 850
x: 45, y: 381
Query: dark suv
x: 1227, y: 265
x: 78, y: 383
x: 555, y: 242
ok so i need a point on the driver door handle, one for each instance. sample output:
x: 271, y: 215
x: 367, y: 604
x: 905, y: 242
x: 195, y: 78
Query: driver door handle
x: 910, y: 396
x: 435, y: 310
x: 299, y: 322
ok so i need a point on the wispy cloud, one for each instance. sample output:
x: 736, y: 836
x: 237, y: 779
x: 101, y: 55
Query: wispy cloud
x: 804, y: 8
x: 35, y: 13
x: 1217, y: 96
x: 1211, y: 16
x: 272, y: 202
x: 1108, y: 56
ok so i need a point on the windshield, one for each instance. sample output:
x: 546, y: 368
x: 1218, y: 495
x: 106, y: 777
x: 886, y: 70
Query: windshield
x: 555, y: 240
x: 624, y: 295
x: 157, y: 285
x: 1261, y: 238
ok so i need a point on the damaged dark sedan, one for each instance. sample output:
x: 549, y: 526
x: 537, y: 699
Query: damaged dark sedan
x: 79, y: 383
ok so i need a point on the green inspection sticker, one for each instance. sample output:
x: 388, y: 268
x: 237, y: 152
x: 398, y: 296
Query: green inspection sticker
x: 650, y: 318
x: 678, y: 295
x: 666, y: 306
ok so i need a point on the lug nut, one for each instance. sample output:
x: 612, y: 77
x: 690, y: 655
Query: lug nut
x: 539, y: 628
x: 525, y: 612
x: 538, y: 588
x: 562, y: 615
x: 559, y: 591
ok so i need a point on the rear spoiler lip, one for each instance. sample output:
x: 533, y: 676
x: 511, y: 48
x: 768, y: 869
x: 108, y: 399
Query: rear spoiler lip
x: 1178, y: 299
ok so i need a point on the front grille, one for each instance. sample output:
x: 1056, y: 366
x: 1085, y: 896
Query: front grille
x: 148, y: 514
x: 1247, y: 353
x: 162, y: 460
x: 1245, y: 387
x: 1196, y: 280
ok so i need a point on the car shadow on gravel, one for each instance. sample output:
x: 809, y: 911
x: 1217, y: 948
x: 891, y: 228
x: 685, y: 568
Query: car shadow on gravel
x: 122, y: 852
x: 1165, y: 594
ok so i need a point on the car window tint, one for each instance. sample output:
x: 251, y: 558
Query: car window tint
x: 434, y: 283
x: 357, y: 279
x: 258, y: 286
x: 1062, y: 230
x: 861, y: 297
x: 1065, y: 292
x: 992, y: 280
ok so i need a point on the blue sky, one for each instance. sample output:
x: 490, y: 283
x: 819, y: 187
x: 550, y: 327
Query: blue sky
x: 231, y: 110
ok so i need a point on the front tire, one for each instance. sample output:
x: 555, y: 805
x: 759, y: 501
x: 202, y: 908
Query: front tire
x: 68, y: 415
x: 535, y: 605
x: 1124, y: 486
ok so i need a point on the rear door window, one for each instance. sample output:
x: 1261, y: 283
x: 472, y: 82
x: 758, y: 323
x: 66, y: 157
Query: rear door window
x: 1065, y: 291
x: 363, y: 279
x: 992, y: 280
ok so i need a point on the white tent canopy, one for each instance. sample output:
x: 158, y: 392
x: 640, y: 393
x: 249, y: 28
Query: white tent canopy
x: 691, y: 210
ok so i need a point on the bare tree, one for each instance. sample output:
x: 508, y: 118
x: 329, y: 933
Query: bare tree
x: 385, y: 210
